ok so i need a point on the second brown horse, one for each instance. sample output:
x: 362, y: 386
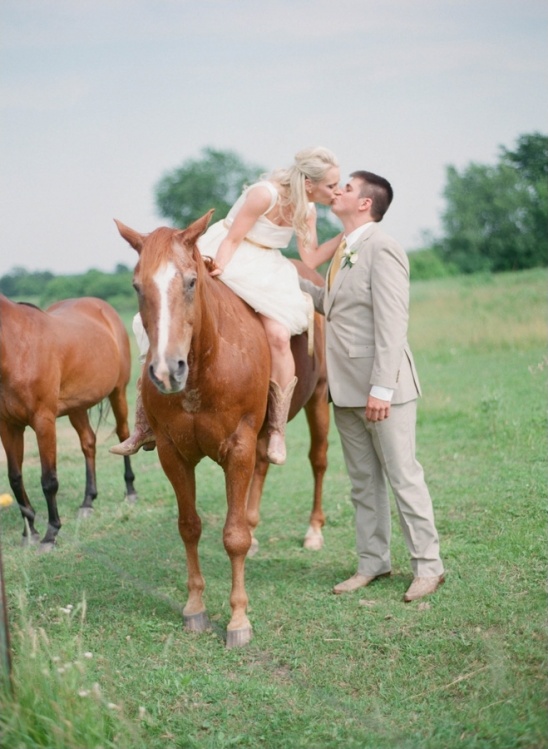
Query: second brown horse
x: 59, y: 362
x: 205, y: 394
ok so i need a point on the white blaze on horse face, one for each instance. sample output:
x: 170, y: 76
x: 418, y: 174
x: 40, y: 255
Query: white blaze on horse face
x: 163, y: 278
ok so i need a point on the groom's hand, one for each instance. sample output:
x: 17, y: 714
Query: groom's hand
x: 377, y: 410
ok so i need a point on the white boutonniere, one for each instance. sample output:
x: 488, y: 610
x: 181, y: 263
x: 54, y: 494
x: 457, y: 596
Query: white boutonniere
x: 349, y: 257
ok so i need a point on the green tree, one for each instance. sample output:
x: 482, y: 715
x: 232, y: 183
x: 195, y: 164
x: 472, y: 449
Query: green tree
x: 23, y: 284
x: 213, y: 181
x: 115, y: 288
x: 496, y: 216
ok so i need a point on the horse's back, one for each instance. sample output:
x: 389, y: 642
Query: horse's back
x: 88, y: 319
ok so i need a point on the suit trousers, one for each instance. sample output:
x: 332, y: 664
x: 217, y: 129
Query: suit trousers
x: 376, y: 453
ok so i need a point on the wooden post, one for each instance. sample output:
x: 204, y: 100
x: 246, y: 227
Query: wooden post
x: 5, y: 655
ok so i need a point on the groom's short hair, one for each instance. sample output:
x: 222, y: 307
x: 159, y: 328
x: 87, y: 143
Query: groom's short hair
x: 378, y: 189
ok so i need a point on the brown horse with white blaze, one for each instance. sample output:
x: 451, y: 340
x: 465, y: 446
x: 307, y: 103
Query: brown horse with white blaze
x: 59, y: 362
x: 205, y: 388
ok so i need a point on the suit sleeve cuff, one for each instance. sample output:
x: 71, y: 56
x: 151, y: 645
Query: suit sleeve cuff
x: 382, y: 393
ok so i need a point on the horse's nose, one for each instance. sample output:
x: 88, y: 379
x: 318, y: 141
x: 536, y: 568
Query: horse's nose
x: 169, y: 376
x: 178, y: 370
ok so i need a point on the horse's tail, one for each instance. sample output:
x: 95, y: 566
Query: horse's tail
x: 101, y: 410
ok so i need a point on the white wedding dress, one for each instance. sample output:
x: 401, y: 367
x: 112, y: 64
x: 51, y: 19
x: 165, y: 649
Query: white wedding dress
x: 258, y: 272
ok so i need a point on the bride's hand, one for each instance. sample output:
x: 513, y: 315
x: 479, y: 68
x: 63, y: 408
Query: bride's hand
x: 211, y: 266
x: 216, y: 270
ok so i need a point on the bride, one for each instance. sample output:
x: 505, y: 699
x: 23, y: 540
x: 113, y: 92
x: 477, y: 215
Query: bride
x: 246, y: 248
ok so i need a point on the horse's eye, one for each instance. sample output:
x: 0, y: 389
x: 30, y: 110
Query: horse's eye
x: 136, y: 287
x: 190, y: 283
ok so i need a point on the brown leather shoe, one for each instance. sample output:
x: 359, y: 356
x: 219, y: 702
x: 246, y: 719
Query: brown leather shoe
x: 423, y: 586
x: 356, y: 581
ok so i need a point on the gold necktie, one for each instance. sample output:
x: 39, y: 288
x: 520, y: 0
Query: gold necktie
x: 336, y: 263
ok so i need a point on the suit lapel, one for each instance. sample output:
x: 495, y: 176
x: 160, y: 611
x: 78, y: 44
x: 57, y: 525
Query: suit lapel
x: 358, y: 247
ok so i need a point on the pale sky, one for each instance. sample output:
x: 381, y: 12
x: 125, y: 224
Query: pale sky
x: 100, y: 98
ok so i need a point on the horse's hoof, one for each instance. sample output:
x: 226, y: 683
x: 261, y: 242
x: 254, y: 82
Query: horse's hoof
x: 237, y: 638
x: 197, y: 622
x: 31, y: 540
x: 131, y: 499
x: 45, y: 546
x: 85, y: 512
x: 254, y: 548
x: 313, y: 541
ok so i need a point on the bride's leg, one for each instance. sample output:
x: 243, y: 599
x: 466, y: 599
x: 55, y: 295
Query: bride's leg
x: 142, y: 435
x: 282, y: 367
x: 282, y: 385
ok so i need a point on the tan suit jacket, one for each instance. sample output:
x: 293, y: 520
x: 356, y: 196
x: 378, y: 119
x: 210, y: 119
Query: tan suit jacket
x: 366, y: 312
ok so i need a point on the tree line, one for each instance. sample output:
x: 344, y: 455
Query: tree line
x: 495, y: 219
x: 44, y: 288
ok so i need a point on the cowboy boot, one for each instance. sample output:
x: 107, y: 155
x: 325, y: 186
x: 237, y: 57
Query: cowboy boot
x: 278, y: 409
x: 142, y: 436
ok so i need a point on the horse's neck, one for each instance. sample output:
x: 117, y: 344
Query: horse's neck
x: 206, y: 337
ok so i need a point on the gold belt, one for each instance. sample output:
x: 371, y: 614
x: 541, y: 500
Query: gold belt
x: 247, y: 239
x: 260, y: 246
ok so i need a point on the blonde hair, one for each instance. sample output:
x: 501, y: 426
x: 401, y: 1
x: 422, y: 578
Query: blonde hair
x: 312, y: 164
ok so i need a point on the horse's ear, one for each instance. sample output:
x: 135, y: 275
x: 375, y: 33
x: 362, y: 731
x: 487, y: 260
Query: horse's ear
x: 135, y: 239
x: 192, y: 232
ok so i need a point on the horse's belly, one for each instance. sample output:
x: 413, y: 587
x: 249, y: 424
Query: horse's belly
x: 89, y: 382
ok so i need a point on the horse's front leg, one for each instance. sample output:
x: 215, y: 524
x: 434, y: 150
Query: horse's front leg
x: 317, y: 416
x: 80, y: 421
x: 238, y: 467
x: 14, y: 445
x: 181, y: 475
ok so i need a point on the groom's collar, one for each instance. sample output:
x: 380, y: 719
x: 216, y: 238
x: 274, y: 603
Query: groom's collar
x: 356, y: 234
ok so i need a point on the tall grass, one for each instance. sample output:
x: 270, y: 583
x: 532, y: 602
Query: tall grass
x: 99, y: 654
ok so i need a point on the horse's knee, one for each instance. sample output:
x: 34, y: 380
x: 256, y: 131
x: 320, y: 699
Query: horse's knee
x: 50, y: 484
x: 190, y: 530
x: 253, y: 516
x: 237, y: 539
x: 88, y: 445
x: 16, y: 482
x: 318, y: 461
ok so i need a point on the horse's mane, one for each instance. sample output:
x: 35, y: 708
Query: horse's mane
x: 29, y: 304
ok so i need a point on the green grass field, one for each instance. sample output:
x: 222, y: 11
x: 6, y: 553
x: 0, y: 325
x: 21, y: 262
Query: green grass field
x: 100, y: 658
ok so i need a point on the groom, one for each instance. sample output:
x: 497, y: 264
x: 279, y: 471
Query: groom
x: 374, y: 387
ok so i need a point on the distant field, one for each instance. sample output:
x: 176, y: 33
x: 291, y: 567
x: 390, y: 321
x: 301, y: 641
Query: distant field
x: 100, y: 658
